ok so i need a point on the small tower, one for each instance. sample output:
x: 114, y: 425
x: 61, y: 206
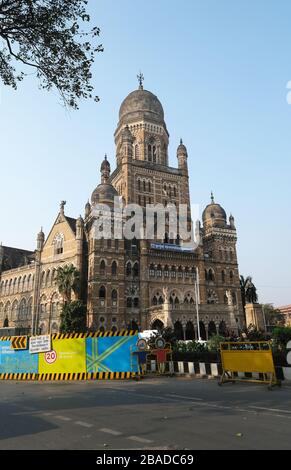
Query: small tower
x: 182, y: 156
x: 127, y: 141
x: 231, y: 221
x: 40, y: 240
x: 1, y: 257
x: 87, y: 209
x: 105, y: 170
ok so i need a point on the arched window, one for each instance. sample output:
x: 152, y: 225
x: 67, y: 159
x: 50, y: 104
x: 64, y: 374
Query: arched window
x: 159, y: 270
x: 225, y: 299
x: 149, y: 185
x: 149, y: 153
x: 223, y: 276
x: 129, y: 302
x: 158, y: 325
x: 173, y: 271
x: 166, y: 239
x: 186, y: 272
x: 180, y: 272
x: 135, y: 269
x: 14, y: 311
x: 136, y: 152
x: 231, y: 276
x: 211, y: 329
x: 114, y: 268
x: 22, y: 310
x: 114, y: 297
x: 233, y: 295
x: 114, y: 329
x: 136, y: 302
x: 102, y: 268
x: 144, y: 185
x: 128, y: 268
x: 178, y: 330
x: 160, y: 300
x: 190, y: 332
x: 138, y: 185
x: 211, y: 276
x: 155, y: 301
x: 166, y: 271
x: 222, y: 331
x: 58, y: 244
x: 152, y: 270
x: 102, y: 295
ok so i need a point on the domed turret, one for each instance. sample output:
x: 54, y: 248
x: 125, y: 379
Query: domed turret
x: 182, y: 156
x: 105, y: 192
x: 87, y: 209
x: 105, y: 170
x: 141, y: 104
x: 214, y: 215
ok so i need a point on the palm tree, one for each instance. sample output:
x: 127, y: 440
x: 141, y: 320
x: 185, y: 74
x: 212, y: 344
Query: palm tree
x: 67, y: 280
x: 248, y: 290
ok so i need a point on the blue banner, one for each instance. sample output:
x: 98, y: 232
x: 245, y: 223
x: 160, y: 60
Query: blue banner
x: 111, y: 354
x: 17, y: 362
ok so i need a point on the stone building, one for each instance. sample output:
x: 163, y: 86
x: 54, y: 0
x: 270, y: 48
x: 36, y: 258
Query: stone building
x: 144, y: 283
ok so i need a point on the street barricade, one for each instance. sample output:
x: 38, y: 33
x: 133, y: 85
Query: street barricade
x: 254, y: 357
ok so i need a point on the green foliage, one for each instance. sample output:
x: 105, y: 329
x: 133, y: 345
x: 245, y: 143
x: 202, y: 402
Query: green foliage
x: 214, y: 342
x: 273, y: 316
x: 73, y: 318
x: 67, y: 280
x: 281, y: 337
x: 190, y: 346
x: 49, y: 37
x: 253, y: 334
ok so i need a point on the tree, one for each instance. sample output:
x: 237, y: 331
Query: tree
x: 73, y: 318
x: 67, y: 280
x: 248, y: 290
x: 273, y: 316
x: 47, y: 36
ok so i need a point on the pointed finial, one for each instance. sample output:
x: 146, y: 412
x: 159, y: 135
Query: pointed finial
x: 140, y: 78
x: 105, y: 158
x: 181, y: 141
x: 212, y: 198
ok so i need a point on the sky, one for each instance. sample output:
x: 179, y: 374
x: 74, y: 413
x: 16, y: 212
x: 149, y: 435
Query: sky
x: 220, y: 70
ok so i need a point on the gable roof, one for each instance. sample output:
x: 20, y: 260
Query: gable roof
x: 16, y: 257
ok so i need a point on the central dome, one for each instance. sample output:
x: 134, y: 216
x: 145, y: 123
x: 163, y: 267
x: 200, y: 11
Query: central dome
x: 141, y: 102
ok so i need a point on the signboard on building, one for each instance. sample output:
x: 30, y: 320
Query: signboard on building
x: 171, y: 247
x: 39, y: 344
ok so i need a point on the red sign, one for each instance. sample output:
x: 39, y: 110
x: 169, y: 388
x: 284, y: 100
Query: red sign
x: 50, y: 357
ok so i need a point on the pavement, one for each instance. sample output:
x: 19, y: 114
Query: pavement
x: 154, y: 413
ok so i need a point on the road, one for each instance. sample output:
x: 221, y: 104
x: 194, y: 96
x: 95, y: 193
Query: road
x: 155, y: 413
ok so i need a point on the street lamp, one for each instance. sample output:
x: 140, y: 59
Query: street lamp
x: 197, y: 305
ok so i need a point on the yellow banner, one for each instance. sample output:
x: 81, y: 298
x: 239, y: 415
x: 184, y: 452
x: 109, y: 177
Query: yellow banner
x: 66, y: 356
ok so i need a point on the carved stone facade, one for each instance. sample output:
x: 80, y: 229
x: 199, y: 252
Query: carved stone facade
x: 138, y: 283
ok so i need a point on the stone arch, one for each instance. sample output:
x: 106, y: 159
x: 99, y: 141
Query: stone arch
x: 222, y: 329
x: 7, y: 310
x: 178, y: 330
x: 157, y: 324
x: 22, y: 309
x: 114, y: 268
x: 190, y: 331
x: 202, y: 330
x: 14, y: 311
x: 211, y: 329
